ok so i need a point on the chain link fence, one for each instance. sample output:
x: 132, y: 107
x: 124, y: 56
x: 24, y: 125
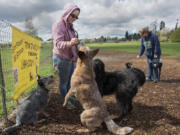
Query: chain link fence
x: 6, y: 71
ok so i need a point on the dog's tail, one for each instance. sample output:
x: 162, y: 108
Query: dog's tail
x: 12, y: 128
x: 115, y: 129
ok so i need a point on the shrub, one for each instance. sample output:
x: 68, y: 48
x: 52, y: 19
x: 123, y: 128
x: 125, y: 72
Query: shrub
x: 175, y: 36
x: 163, y: 34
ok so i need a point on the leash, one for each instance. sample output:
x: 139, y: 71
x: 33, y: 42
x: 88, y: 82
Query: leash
x: 76, y: 34
x: 80, y: 42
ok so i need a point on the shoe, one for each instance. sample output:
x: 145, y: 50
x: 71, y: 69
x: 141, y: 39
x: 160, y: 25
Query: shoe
x: 70, y: 106
x: 155, y: 81
x: 148, y: 79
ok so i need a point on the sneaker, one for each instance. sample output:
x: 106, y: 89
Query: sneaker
x: 148, y: 79
x: 155, y: 81
x: 70, y: 106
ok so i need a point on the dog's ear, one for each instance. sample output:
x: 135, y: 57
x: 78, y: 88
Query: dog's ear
x: 38, y: 77
x: 39, y: 81
x: 94, y: 52
x: 81, y: 54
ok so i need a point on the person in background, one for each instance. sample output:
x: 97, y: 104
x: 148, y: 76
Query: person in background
x: 151, y: 45
x: 65, y: 48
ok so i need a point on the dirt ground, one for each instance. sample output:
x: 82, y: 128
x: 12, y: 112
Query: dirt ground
x: 156, y: 106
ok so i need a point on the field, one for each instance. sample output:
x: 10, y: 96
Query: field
x: 168, y: 48
x: 156, y: 106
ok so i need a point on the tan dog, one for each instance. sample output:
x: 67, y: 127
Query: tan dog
x: 84, y: 88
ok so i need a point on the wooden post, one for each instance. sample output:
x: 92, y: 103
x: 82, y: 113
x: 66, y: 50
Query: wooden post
x: 2, y: 86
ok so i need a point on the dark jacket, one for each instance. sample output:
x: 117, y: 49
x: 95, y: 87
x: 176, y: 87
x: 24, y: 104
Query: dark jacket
x: 151, y: 46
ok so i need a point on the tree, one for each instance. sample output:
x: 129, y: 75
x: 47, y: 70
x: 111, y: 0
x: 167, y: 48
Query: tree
x: 136, y: 36
x: 126, y: 35
x: 163, y: 34
x: 130, y: 37
x: 108, y: 38
x: 175, y: 36
x: 29, y: 27
x: 102, y: 39
x: 162, y: 25
x: 85, y: 40
x: 115, y: 39
x: 176, y: 24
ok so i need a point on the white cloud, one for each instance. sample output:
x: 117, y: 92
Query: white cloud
x: 102, y: 17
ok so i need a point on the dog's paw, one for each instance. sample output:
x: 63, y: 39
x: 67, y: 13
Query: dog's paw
x: 64, y: 104
x: 84, y: 130
x: 124, y: 131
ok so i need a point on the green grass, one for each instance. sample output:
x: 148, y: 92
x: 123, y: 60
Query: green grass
x: 171, y: 49
x: 168, y: 48
x: 123, y: 46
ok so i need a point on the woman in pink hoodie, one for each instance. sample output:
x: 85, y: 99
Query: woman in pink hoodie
x: 65, y: 48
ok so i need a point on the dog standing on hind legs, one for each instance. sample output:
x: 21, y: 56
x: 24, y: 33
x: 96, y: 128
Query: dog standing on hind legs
x: 37, y: 102
x: 85, y: 89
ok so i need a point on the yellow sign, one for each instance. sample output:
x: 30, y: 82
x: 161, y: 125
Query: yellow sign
x: 25, y: 59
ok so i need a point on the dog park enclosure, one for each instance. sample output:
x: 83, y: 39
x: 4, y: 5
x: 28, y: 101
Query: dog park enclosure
x: 156, y: 106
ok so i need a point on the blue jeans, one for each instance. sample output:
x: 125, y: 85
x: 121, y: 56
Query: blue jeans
x: 65, y: 70
x: 152, y: 72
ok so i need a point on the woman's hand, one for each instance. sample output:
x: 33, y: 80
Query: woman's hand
x: 74, y: 41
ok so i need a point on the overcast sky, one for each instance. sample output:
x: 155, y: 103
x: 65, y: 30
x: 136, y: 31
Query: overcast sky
x: 97, y: 17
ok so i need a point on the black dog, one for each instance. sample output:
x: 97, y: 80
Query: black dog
x: 37, y: 102
x: 124, y: 84
x: 157, y: 63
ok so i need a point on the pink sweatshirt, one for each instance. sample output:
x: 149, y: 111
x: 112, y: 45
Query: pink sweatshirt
x: 62, y: 33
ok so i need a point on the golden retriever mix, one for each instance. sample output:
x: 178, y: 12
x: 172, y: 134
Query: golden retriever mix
x: 85, y: 89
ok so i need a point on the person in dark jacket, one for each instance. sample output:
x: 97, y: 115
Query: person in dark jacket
x: 151, y: 45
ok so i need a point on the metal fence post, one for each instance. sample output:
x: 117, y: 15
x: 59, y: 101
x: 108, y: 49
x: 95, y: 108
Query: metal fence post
x: 2, y: 84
